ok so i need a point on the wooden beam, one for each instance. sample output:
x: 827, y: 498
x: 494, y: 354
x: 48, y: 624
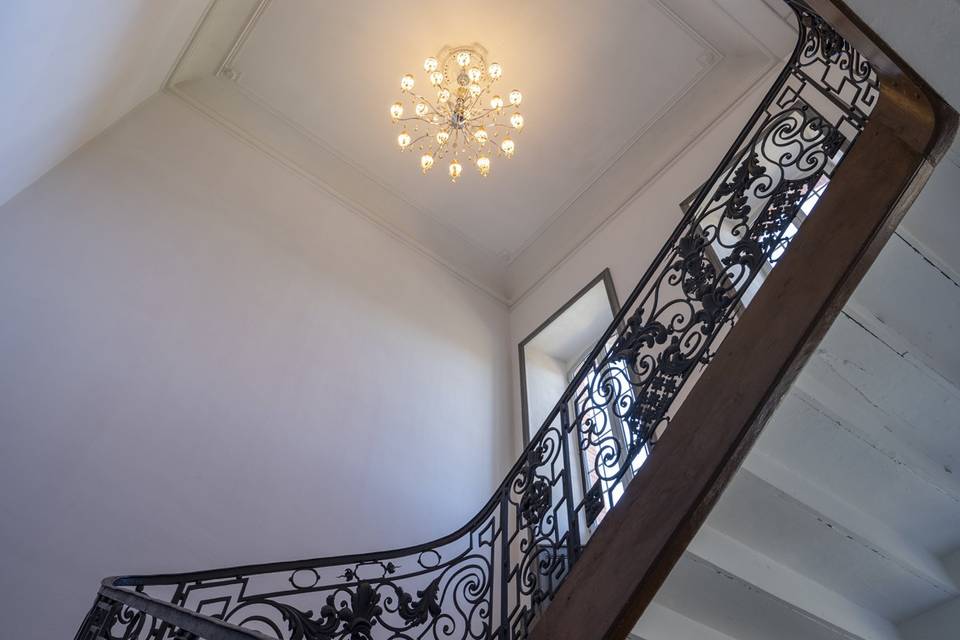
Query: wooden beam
x: 639, y: 541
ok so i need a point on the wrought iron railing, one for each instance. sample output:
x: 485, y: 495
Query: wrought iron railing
x: 493, y: 577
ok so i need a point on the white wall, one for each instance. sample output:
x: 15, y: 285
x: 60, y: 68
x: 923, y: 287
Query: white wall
x: 207, y: 361
x: 546, y: 382
x: 70, y: 69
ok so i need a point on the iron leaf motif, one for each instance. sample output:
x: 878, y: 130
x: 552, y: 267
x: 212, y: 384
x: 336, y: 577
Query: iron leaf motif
x: 417, y: 613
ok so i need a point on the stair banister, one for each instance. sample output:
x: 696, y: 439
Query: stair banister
x: 908, y: 132
x: 576, y: 540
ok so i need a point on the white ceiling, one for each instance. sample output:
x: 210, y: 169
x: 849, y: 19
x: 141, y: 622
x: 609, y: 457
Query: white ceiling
x: 73, y: 68
x: 613, y: 91
x: 594, y: 75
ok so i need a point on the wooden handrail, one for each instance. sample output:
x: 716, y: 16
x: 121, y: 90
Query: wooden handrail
x: 637, y: 544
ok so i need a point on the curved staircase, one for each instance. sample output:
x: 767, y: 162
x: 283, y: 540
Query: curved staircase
x: 585, y: 527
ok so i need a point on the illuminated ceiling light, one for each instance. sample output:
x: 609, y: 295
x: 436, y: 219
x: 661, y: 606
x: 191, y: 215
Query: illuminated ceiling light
x: 483, y: 165
x: 464, y: 118
x: 455, y: 169
x: 426, y: 161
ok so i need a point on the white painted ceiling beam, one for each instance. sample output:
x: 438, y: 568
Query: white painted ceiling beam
x: 923, y: 319
x: 940, y: 623
x: 734, y: 598
x: 662, y: 623
x: 901, y: 416
x: 774, y: 524
x: 802, y: 516
x: 844, y: 518
x: 807, y: 597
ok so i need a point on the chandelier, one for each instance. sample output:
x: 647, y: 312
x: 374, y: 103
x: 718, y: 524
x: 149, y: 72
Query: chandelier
x: 467, y: 119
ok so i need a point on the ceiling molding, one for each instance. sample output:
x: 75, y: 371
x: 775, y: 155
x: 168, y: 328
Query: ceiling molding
x: 712, y: 56
x: 178, y: 62
x: 227, y: 26
x: 217, y: 39
x: 265, y: 104
x: 639, y: 192
x: 747, y: 65
x: 222, y: 101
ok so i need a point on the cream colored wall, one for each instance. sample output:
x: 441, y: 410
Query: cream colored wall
x: 208, y: 361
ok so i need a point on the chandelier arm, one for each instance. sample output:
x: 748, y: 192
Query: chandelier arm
x: 425, y: 100
x: 478, y: 96
x: 416, y: 140
x: 409, y: 118
x: 482, y: 114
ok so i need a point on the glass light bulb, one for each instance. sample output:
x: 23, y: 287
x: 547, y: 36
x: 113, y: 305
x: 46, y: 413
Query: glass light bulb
x: 422, y: 109
x: 396, y: 110
x: 507, y: 147
x: 430, y: 64
x: 455, y: 169
x: 463, y: 58
x: 474, y: 74
x: 436, y: 77
x: 495, y: 70
x: 406, y: 82
x: 515, y: 97
x: 480, y: 135
x: 517, y: 121
x: 483, y: 165
x: 403, y: 140
x: 442, y: 137
x: 443, y: 95
x: 496, y: 102
x: 426, y: 161
x: 475, y: 90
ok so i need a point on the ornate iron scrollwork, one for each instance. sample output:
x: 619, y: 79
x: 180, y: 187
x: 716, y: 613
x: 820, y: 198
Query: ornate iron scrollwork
x: 490, y: 579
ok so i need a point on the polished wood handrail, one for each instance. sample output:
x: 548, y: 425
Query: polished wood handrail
x: 637, y: 544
